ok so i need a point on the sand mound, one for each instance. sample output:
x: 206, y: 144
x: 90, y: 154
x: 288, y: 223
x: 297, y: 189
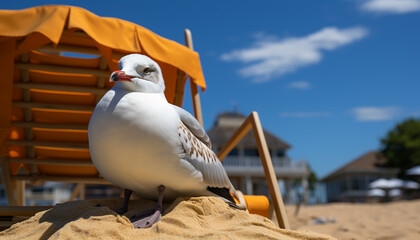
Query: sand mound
x: 193, y: 218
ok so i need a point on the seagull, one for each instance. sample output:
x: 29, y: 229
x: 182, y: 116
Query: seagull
x: 143, y: 144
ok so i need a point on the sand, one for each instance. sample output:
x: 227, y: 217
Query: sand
x: 395, y: 220
x: 193, y: 218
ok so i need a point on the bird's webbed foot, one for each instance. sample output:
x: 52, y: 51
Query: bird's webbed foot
x: 149, y: 217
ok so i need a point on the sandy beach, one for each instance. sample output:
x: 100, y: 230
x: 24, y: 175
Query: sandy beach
x: 395, y: 220
x: 211, y: 218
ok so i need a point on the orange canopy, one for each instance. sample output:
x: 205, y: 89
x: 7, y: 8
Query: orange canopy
x: 46, y: 24
x: 28, y: 39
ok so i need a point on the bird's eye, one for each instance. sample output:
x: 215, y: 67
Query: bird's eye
x: 147, y: 70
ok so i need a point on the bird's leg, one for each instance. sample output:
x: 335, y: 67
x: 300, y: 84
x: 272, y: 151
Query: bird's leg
x: 123, y: 209
x: 147, y: 218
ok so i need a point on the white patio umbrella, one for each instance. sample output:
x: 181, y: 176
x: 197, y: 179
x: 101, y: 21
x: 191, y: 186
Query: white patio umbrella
x: 395, y: 193
x: 376, y: 193
x: 413, y: 171
x: 379, y: 183
x: 385, y: 184
x: 411, y: 185
x: 388, y: 186
x: 396, y: 183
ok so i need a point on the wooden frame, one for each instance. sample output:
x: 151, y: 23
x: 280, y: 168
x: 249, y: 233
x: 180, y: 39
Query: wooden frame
x: 253, y: 121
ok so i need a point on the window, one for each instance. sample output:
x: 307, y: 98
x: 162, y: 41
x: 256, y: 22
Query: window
x: 355, y: 184
x: 343, y: 185
x: 280, y: 153
x: 251, y: 152
x: 234, y: 152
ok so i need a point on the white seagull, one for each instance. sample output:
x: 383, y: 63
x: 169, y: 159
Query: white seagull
x: 144, y: 144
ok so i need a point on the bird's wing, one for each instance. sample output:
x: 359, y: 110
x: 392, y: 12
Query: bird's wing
x: 193, y: 125
x: 203, y: 159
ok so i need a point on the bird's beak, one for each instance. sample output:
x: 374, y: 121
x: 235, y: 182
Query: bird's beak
x: 119, y: 76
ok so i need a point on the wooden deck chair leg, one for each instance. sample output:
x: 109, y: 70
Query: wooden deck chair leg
x: 20, y: 193
x: 77, y: 191
x: 7, y: 182
x: 82, y: 193
x: 253, y: 121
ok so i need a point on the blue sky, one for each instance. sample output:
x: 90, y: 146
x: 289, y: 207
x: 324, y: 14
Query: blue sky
x: 329, y: 77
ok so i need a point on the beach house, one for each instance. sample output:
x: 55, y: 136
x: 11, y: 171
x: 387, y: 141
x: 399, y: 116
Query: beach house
x: 243, y: 164
x: 350, y: 183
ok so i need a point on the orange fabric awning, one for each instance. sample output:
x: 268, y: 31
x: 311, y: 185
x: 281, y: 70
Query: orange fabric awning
x: 47, y: 23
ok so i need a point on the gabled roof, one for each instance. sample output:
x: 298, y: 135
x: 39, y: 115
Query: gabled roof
x: 220, y: 134
x: 370, y: 161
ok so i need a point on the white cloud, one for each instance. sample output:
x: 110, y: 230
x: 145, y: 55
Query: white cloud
x: 304, y: 114
x: 364, y: 114
x: 299, y: 85
x: 269, y: 58
x: 391, y: 6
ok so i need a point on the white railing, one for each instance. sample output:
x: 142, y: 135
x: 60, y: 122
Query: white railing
x: 284, y: 162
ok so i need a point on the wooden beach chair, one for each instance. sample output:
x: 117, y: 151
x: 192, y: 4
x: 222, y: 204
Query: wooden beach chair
x: 47, y: 97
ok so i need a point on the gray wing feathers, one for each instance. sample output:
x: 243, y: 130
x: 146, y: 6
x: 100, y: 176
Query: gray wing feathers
x: 193, y: 125
x: 203, y: 159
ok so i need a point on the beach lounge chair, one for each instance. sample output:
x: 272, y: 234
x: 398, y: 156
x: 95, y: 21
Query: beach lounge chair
x: 49, y: 92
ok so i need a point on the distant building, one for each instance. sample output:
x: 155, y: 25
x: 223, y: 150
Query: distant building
x: 350, y: 183
x: 243, y: 164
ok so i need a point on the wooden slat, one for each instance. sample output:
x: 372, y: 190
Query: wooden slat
x: 53, y: 161
x: 53, y: 106
x: 49, y: 125
x: 48, y: 144
x: 62, y: 69
x: 60, y: 87
x: 67, y: 179
x: 22, y: 211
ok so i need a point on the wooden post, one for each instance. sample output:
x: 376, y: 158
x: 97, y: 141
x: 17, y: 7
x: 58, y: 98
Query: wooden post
x: 253, y: 122
x: 7, y: 181
x: 82, y: 191
x: 101, y: 79
x: 20, y: 193
x: 27, y: 111
x: 75, y: 192
x: 179, y: 88
x: 194, y: 89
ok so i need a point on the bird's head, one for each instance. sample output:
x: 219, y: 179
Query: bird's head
x: 138, y: 73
